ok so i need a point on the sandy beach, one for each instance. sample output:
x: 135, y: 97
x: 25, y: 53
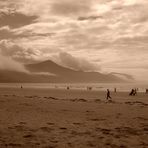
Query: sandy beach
x: 52, y: 118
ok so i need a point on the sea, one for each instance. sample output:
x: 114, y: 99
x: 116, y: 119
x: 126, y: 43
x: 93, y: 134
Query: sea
x: 123, y: 87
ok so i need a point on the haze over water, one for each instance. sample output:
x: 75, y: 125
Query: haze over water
x: 122, y: 87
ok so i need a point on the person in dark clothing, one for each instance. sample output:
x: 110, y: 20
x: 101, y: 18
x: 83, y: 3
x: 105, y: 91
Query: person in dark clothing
x: 135, y: 92
x: 132, y: 92
x: 115, y: 90
x: 108, y: 95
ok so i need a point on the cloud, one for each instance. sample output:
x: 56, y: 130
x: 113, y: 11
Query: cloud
x: 26, y: 53
x: 5, y: 33
x: 15, y: 19
x: 7, y: 63
x: 21, y: 54
x: 76, y: 63
x: 109, y: 30
x: 14, y: 34
x: 70, y: 7
x: 84, y: 18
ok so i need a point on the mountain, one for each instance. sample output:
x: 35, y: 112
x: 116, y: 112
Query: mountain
x: 64, y: 74
x: 50, y: 72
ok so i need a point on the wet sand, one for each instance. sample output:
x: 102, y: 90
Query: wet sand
x: 42, y: 118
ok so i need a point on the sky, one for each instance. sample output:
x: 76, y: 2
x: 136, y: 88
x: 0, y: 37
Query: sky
x: 90, y: 35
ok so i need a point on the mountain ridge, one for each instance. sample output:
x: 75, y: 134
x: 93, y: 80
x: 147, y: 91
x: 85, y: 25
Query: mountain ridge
x: 50, y: 72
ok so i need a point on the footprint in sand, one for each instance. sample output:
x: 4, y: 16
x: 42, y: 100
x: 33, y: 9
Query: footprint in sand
x: 63, y: 128
x: 29, y: 136
x: 19, y: 128
x: 105, y: 131
x: 51, y: 98
x: 50, y: 123
x: 35, y: 97
x: 46, y: 129
x: 144, y: 144
x: 54, y: 141
x: 127, y: 131
x: 77, y: 123
x: 64, y: 110
x: 22, y: 123
x: 25, y: 104
x: 78, y: 100
x: 49, y: 146
x: 90, y: 144
x: 118, y: 115
x: 141, y: 118
x: 89, y: 111
x: 97, y: 100
x: 96, y: 119
x: 137, y: 103
x: 14, y: 145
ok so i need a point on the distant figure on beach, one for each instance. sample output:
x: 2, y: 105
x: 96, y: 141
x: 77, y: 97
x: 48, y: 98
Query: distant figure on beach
x: 21, y: 86
x: 146, y: 91
x: 133, y: 92
x: 68, y: 88
x: 89, y: 88
x: 115, y: 90
x: 108, y: 95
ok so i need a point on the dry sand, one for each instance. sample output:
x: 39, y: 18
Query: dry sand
x: 41, y: 118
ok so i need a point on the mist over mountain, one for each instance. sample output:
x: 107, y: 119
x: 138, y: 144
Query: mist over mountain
x: 50, y: 72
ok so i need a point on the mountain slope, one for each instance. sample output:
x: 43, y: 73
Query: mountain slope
x: 50, y: 72
x: 69, y: 75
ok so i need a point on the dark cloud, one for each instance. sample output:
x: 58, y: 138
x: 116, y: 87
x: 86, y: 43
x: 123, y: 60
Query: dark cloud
x: 82, y: 18
x: 7, y: 63
x: 22, y: 54
x: 7, y: 33
x: 67, y: 8
x: 70, y: 61
x: 15, y: 20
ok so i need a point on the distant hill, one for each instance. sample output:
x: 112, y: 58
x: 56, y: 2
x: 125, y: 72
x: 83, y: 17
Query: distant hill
x: 50, y: 72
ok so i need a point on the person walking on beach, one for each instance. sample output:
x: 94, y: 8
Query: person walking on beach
x: 108, y: 95
x: 131, y: 93
x: 135, y: 92
x: 115, y: 90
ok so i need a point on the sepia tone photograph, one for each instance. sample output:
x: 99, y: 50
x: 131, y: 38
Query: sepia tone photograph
x: 73, y: 73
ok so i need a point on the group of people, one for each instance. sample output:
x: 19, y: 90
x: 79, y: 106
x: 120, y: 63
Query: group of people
x: 132, y: 93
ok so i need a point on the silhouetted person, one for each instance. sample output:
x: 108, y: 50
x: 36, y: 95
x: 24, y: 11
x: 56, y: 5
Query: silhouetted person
x: 68, y: 88
x: 132, y: 92
x: 115, y: 90
x: 108, y: 95
x: 21, y: 86
x: 135, y: 92
x: 89, y: 88
x: 146, y: 91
